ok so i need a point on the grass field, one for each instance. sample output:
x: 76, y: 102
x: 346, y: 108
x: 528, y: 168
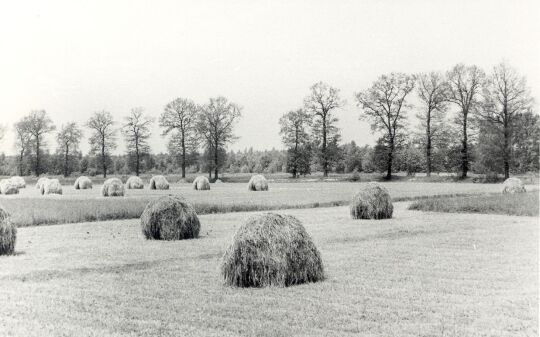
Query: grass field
x: 419, y: 274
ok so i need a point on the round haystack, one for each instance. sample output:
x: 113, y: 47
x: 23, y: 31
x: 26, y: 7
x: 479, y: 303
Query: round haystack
x: 134, y: 182
x: 83, y: 183
x: 218, y: 181
x: 271, y: 250
x: 201, y: 183
x: 159, y: 183
x: 40, y: 182
x: 513, y: 185
x: 372, y: 202
x: 8, y: 187
x: 258, y: 183
x: 170, y: 218
x: 112, y: 187
x: 8, y: 233
x: 51, y: 186
x: 18, y: 181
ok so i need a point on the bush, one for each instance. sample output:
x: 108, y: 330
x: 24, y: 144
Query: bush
x: 40, y: 182
x: 355, y: 176
x: 134, y: 182
x: 513, y: 185
x: 258, y: 183
x: 18, y: 181
x: 170, y: 218
x: 51, y: 186
x: 372, y: 202
x: 159, y: 183
x: 271, y: 250
x: 201, y: 183
x: 8, y: 187
x: 8, y: 234
x: 82, y: 183
x: 112, y: 187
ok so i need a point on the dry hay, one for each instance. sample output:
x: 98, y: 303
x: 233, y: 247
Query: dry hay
x: 40, y: 182
x: 513, y: 185
x: 134, y: 182
x: 258, y: 183
x: 83, y: 183
x: 8, y: 234
x: 159, y: 183
x: 8, y: 187
x: 112, y: 187
x: 271, y: 250
x: 201, y: 183
x: 18, y: 181
x: 51, y: 186
x: 218, y: 181
x: 170, y: 218
x: 372, y: 202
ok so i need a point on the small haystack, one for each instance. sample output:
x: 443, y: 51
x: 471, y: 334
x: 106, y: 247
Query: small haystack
x: 372, y: 202
x: 159, y: 183
x: 40, y: 182
x: 8, y: 187
x: 513, y: 185
x: 218, y: 181
x: 83, y: 183
x: 271, y: 250
x: 51, y: 186
x: 18, y: 181
x: 170, y: 218
x: 258, y: 183
x: 8, y: 234
x: 112, y: 187
x: 201, y: 183
x: 134, y: 182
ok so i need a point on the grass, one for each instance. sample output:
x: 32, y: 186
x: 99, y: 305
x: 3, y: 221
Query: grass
x: 418, y: 274
x: 525, y: 204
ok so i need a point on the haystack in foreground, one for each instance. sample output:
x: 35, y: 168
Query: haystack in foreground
x: 159, y: 183
x: 271, y: 250
x: 8, y: 234
x: 40, y: 182
x: 134, y: 183
x: 83, y: 183
x: 201, y: 183
x: 258, y: 183
x: 170, y: 218
x: 112, y: 187
x: 18, y: 181
x: 51, y: 186
x: 8, y: 187
x: 513, y: 185
x: 372, y: 202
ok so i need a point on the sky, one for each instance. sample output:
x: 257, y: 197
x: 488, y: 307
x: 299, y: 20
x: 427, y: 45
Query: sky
x: 72, y: 58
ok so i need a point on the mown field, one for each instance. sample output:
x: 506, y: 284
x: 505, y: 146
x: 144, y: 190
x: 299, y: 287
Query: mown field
x: 418, y: 274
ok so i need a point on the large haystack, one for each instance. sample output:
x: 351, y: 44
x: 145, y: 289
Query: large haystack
x: 271, y: 250
x: 258, y: 183
x: 372, y: 202
x: 170, y: 218
x: 40, y: 182
x: 83, y: 183
x: 201, y: 183
x: 18, y: 181
x: 134, y: 182
x: 513, y: 185
x: 8, y: 234
x: 112, y: 187
x: 51, y: 186
x: 159, y: 183
x: 8, y: 187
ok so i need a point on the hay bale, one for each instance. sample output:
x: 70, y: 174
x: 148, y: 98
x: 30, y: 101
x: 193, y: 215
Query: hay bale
x: 18, y: 181
x: 134, y: 182
x: 8, y: 234
x: 112, y: 187
x: 372, y: 202
x: 218, y: 181
x: 513, y: 185
x: 51, y: 186
x: 159, y: 183
x: 83, y: 183
x: 201, y: 183
x: 271, y: 250
x: 8, y: 187
x: 258, y: 183
x: 169, y: 218
x: 40, y: 182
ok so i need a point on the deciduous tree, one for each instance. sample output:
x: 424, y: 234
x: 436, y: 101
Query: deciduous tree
x: 38, y: 125
x: 294, y: 134
x: 103, y: 137
x: 136, y: 131
x: 68, y: 139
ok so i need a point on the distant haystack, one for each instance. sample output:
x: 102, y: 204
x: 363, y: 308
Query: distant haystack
x: 372, y: 202
x: 40, y: 182
x: 8, y: 187
x: 170, y: 218
x: 258, y: 183
x: 8, y: 234
x: 83, y: 183
x: 218, y: 181
x: 201, y: 183
x: 51, y: 186
x: 271, y: 250
x: 159, y: 183
x: 134, y: 182
x: 18, y: 181
x: 112, y: 187
x: 513, y: 185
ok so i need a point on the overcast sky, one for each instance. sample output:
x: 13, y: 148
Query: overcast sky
x: 72, y: 58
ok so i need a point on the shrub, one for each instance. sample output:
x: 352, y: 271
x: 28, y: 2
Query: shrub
x: 372, y: 202
x: 355, y: 176
x: 83, y: 183
x: 8, y: 234
x: 170, y: 218
x: 134, y: 182
x: 271, y: 250
x: 258, y: 183
x: 18, y: 181
x: 513, y: 185
x: 40, y: 182
x: 159, y: 183
x: 201, y: 183
x: 51, y: 186
x: 8, y: 187
x: 112, y: 187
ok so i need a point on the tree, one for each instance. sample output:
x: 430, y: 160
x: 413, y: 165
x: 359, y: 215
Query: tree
x: 216, y: 123
x: 506, y: 97
x: 526, y: 142
x: 136, y: 132
x: 23, y: 142
x: 103, y: 137
x: 433, y: 92
x: 68, y: 140
x: 321, y: 102
x: 295, y: 136
x: 465, y: 85
x: 38, y: 125
x: 384, y: 105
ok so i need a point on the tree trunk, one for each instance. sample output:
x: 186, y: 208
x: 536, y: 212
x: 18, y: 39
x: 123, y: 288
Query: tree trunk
x: 103, y: 162
x: 137, y: 156
x: 183, y: 155
x: 216, y: 161
x: 324, y: 154
x: 428, y: 145
x: 21, y: 158
x: 295, y: 164
x: 37, y: 157
x: 506, y: 151
x: 390, y: 159
x: 66, y: 161
x: 464, y: 150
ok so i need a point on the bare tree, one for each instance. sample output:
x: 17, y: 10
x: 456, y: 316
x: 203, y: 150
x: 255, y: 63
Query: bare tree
x: 321, y: 102
x: 181, y: 115
x: 385, y: 107
x: 465, y: 85
x: 103, y: 137
x: 68, y: 138
x: 23, y: 142
x: 38, y: 125
x: 136, y: 132
x: 294, y: 134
